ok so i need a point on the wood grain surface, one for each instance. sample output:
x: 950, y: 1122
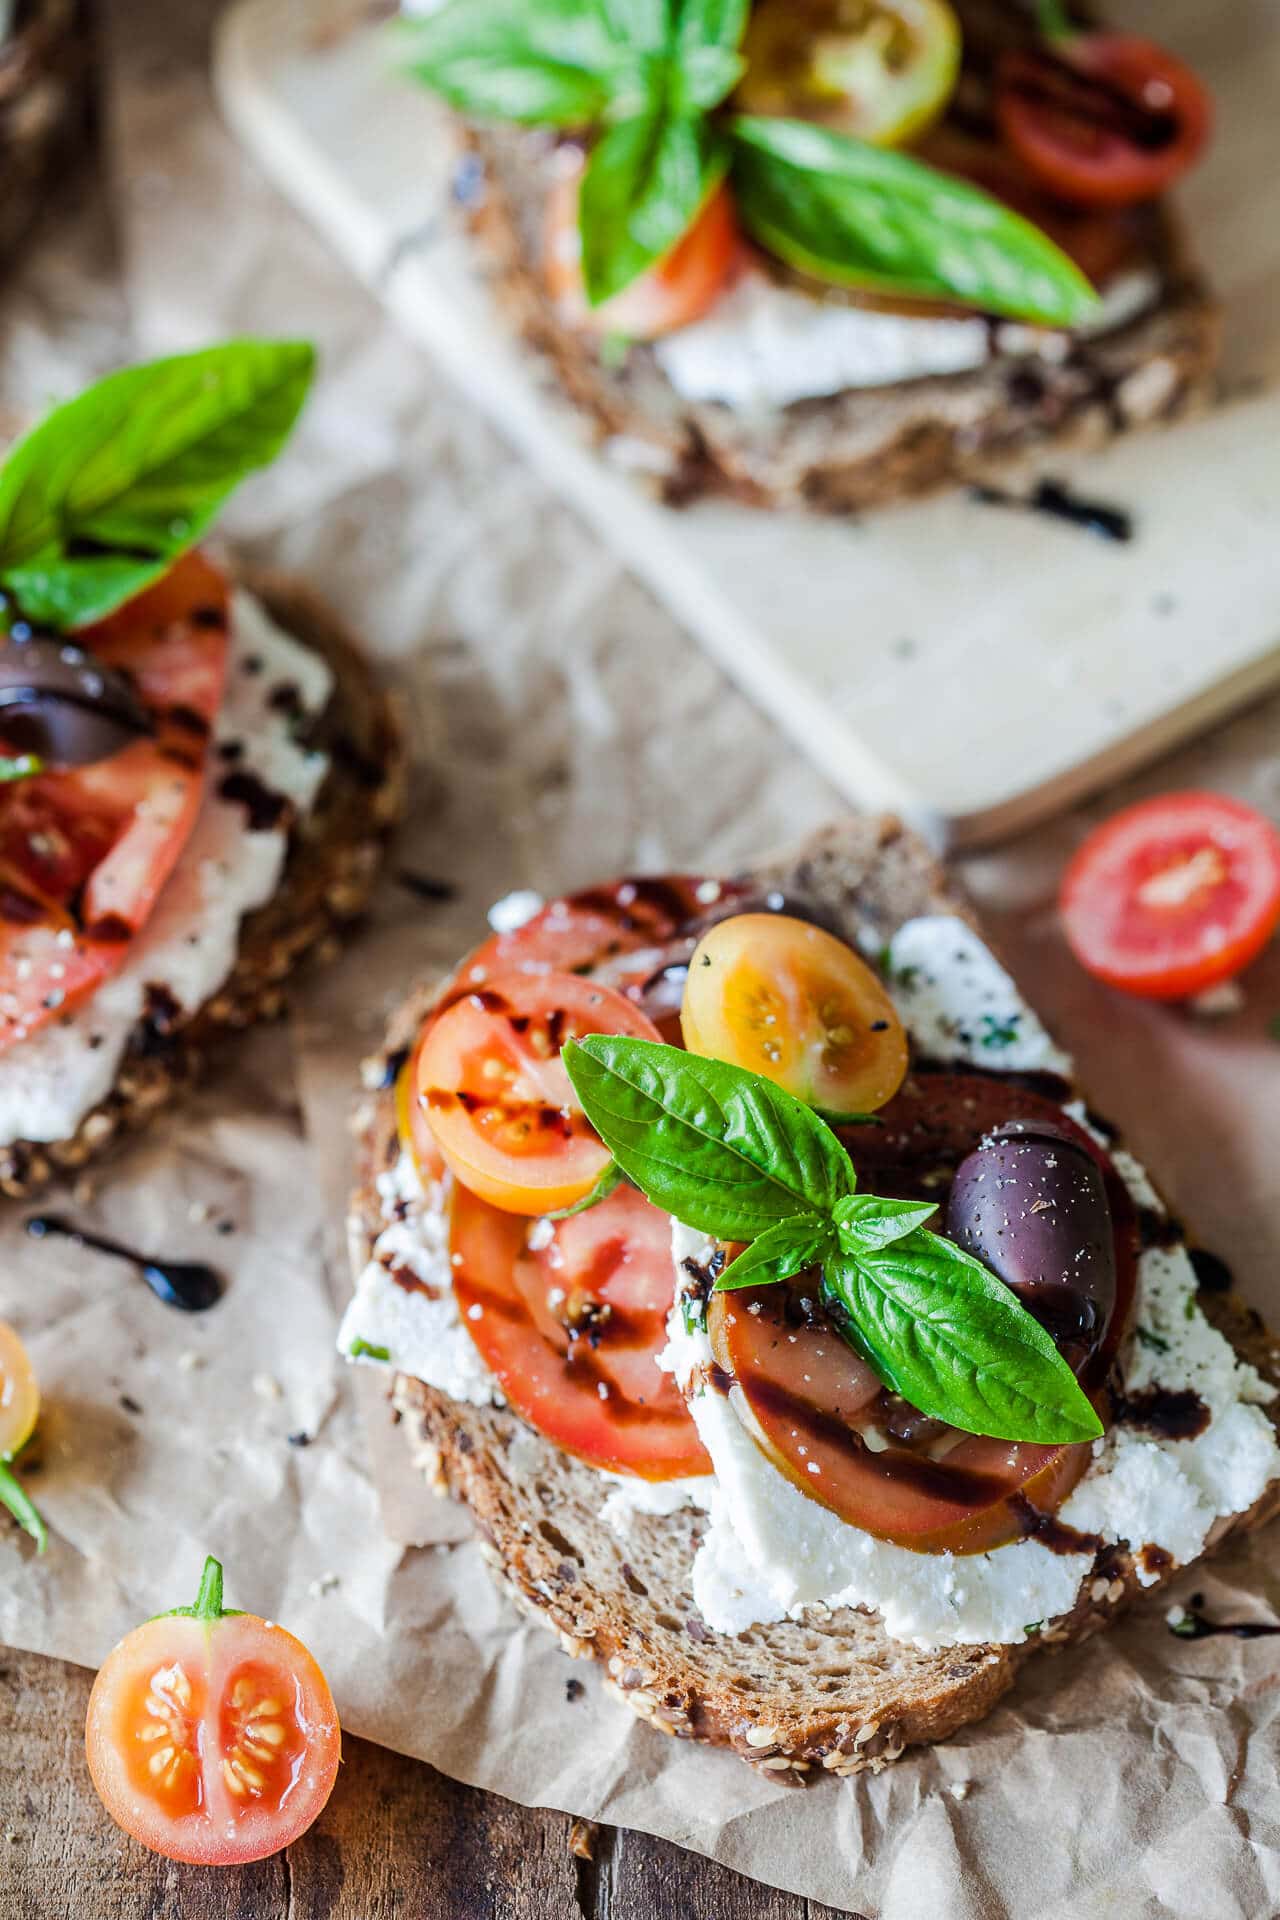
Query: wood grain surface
x: 397, y: 1842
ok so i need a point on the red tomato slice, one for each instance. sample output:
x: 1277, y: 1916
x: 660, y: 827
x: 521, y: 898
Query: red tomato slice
x: 1174, y: 895
x: 212, y: 1738
x: 1103, y: 119
x: 85, y: 853
x: 677, y: 290
x: 497, y: 1097
x: 569, y: 1317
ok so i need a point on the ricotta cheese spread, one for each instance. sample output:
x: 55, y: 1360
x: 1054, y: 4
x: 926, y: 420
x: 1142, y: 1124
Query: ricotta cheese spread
x: 188, y: 946
x: 768, y: 1552
x: 765, y: 344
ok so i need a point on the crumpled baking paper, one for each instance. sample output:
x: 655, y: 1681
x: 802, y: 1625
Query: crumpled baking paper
x: 563, y: 729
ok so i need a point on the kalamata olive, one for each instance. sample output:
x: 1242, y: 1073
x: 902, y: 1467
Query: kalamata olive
x: 1032, y: 1204
x: 60, y: 703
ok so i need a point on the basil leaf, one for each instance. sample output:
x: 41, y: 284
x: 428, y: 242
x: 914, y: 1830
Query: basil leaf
x: 645, y: 24
x: 103, y: 495
x: 609, y: 1180
x: 15, y: 1497
x: 644, y: 184
x: 706, y: 63
x: 724, y: 1150
x: 865, y: 1221
x: 942, y: 1331
x: 779, y: 1254
x: 551, y: 63
x: 867, y: 216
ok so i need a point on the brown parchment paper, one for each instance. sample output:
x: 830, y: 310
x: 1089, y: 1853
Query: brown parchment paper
x: 563, y: 729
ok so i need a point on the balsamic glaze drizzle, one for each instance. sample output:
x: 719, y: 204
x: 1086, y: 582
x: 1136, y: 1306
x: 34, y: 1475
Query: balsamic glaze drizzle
x: 188, y: 1285
x: 1053, y: 498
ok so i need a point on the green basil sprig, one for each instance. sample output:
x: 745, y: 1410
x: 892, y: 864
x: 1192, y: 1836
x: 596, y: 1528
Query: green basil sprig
x: 19, y: 766
x: 100, y: 498
x: 732, y: 1155
x: 647, y: 77
x: 869, y: 217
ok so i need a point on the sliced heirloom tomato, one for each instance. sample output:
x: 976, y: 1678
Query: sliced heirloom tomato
x: 785, y: 999
x: 1102, y: 119
x: 818, y: 1411
x: 879, y: 70
x: 676, y: 290
x: 497, y: 1098
x: 84, y: 853
x: 1174, y: 895
x: 212, y: 1737
x: 569, y: 1317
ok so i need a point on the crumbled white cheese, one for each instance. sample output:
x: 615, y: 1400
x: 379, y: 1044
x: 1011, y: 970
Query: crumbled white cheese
x: 189, y: 944
x: 959, y: 1004
x: 514, y: 910
x: 764, y: 344
x: 628, y: 1496
x: 415, y: 1329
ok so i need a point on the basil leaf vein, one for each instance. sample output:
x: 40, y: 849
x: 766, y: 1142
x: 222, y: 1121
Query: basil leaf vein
x: 851, y: 212
x: 725, y: 1151
x: 100, y: 498
x: 942, y: 1331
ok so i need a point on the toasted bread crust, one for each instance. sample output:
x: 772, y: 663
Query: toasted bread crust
x: 863, y: 448
x: 333, y: 861
x: 831, y: 1692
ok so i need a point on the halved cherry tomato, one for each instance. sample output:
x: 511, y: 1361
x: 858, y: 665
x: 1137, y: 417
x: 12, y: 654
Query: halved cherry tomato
x: 880, y: 70
x: 807, y: 1398
x: 85, y: 853
x: 783, y: 998
x: 1102, y: 119
x: 569, y: 1317
x: 675, y: 291
x: 212, y: 1737
x: 497, y: 1097
x: 19, y: 1411
x: 1174, y: 895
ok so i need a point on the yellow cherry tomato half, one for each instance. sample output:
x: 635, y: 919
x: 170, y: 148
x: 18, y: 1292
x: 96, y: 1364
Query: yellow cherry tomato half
x: 19, y: 1410
x: 785, y: 999
x: 496, y: 1095
x: 881, y: 70
x: 212, y: 1736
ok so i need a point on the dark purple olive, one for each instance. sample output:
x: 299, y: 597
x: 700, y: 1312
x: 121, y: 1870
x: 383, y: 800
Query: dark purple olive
x: 59, y: 703
x: 1032, y: 1205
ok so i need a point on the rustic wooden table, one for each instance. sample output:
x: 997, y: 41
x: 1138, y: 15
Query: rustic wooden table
x: 397, y: 1842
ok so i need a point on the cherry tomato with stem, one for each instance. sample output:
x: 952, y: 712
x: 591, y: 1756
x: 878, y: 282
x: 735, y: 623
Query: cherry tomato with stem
x: 19, y: 1411
x: 1101, y: 119
x: 212, y: 1736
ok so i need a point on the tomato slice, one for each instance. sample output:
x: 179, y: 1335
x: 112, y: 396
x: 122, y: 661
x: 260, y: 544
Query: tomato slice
x: 85, y: 853
x: 880, y: 70
x: 570, y: 1316
x: 212, y: 1737
x: 497, y: 1097
x: 676, y: 290
x: 1173, y: 895
x: 1102, y: 119
x: 785, y: 999
x: 810, y: 1402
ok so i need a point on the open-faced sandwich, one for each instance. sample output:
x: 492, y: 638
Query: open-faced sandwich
x: 807, y: 1351
x: 829, y: 251
x: 196, y: 775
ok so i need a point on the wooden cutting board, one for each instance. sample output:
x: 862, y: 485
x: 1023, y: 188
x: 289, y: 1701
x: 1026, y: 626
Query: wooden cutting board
x: 972, y: 666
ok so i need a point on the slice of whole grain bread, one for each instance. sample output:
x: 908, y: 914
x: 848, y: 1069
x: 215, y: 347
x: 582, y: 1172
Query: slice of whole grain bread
x: 829, y: 1692
x: 333, y: 860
